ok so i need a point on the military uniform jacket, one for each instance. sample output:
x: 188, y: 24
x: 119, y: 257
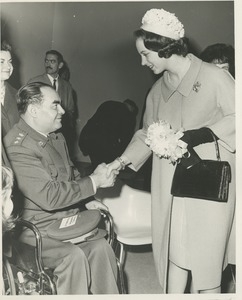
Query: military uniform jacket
x: 45, y: 175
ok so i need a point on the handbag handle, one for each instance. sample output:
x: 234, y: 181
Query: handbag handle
x: 216, y: 144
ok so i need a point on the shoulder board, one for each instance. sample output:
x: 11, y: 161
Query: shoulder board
x: 19, y: 138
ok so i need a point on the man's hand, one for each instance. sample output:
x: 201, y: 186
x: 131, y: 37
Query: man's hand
x: 101, y: 178
x: 95, y: 204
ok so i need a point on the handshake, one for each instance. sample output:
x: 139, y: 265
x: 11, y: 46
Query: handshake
x: 105, y: 175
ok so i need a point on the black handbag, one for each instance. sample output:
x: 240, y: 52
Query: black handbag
x: 208, y: 179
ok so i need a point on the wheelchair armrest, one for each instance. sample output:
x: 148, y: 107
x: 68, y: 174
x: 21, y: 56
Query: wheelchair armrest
x: 108, y: 217
x: 44, y: 279
x: 38, y: 249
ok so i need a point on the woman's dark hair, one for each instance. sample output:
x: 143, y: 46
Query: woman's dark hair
x: 220, y: 53
x: 64, y: 72
x: 163, y: 45
x: 5, y: 46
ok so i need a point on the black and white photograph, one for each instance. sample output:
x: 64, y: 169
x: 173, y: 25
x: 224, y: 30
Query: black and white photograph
x: 120, y: 130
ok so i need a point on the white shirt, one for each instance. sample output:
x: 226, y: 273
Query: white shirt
x: 52, y: 81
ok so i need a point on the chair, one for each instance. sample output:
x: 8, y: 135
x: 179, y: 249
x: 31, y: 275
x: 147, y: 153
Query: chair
x: 131, y: 212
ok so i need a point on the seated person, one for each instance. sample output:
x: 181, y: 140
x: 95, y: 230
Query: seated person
x: 222, y: 55
x: 52, y: 189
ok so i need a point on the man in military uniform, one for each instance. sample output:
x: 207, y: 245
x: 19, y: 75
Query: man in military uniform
x: 52, y: 189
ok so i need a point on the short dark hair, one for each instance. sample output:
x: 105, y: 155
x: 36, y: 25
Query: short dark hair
x: 57, y: 53
x: 163, y: 45
x: 5, y: 46
x: 222, y: 53
x: 30, y: 94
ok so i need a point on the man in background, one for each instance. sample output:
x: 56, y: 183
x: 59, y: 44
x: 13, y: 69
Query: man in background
x: 54, y: 63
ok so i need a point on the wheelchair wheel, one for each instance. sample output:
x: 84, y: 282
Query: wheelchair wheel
x: 9, y: 287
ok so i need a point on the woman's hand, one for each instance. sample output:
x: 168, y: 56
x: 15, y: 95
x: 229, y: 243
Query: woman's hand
x: 113, y: 166
x: 101, y: 177
x: 196, y: 137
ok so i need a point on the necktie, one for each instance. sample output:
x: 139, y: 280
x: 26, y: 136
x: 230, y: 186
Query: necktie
x: 54, y: 84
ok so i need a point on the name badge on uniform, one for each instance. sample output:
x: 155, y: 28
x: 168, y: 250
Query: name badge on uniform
x: 69, y: 221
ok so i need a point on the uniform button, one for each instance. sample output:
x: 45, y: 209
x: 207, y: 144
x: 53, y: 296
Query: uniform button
x: 41, y: 143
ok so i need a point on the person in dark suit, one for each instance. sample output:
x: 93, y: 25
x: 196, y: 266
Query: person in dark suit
x: 108, y: 132
x: 54, y: 63
x: 9, y: 110
x: 53, y: 189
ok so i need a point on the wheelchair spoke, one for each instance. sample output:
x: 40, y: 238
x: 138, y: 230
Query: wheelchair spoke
x: 9, y: 287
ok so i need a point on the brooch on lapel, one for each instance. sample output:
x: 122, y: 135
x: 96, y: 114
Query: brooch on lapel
x: 196, y: 87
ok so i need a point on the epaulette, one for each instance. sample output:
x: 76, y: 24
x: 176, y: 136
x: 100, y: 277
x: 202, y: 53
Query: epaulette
x: 23, y: 139
x: 18, y: 140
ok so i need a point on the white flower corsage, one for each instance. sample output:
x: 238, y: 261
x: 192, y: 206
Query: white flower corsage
x: 165, y: 142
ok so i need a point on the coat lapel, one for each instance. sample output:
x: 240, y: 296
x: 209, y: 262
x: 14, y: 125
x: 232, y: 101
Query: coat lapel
x: 188, y: 82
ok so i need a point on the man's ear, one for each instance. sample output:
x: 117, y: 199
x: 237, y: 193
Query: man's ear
x: 61, y: 65
x: 32, y: 110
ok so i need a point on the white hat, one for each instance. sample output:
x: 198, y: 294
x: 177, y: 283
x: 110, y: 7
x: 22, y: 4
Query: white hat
x: 162, y: 22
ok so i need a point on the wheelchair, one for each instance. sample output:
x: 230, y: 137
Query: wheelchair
x: 23, y: 272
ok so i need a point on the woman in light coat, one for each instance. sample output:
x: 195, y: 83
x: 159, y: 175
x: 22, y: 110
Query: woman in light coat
x: 189, y: 235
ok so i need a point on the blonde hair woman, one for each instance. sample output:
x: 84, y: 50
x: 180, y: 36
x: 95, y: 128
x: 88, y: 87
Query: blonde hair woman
x: 7, y: 204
